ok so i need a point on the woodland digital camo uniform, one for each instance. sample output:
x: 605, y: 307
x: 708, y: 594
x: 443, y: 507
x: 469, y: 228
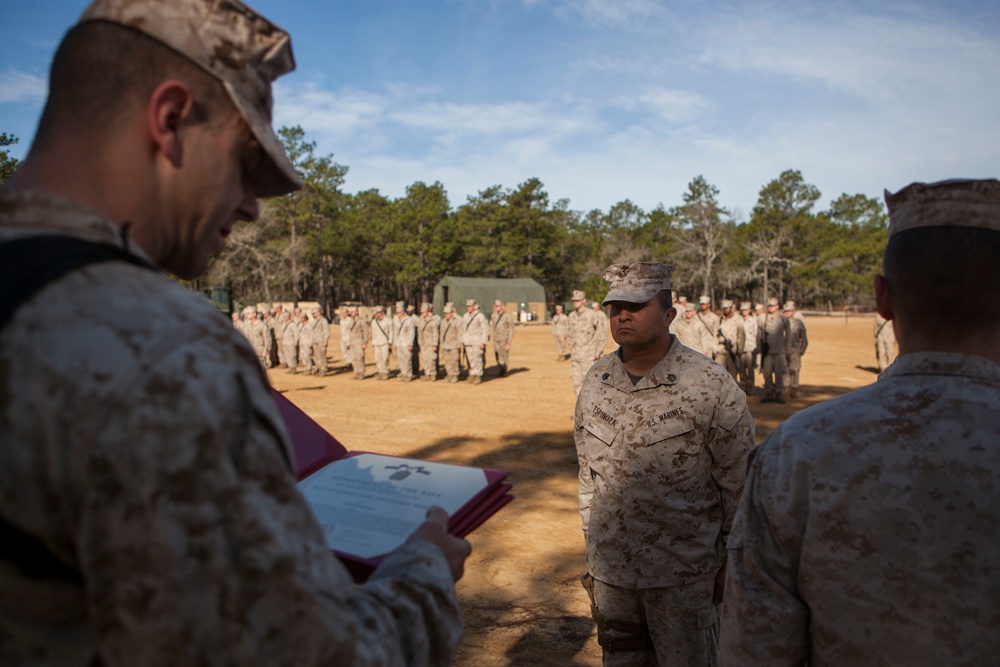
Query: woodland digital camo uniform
x: 662, y: 464
x: 148, y: 457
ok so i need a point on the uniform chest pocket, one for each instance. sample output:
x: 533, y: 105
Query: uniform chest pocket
x: 598, y: 436
x: 674, y: 442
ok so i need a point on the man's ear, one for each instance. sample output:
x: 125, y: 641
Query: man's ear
x: 883, y: 298
x: 170, y: 105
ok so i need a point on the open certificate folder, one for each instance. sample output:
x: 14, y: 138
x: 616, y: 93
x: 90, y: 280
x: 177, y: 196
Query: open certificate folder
x: 369, y: 503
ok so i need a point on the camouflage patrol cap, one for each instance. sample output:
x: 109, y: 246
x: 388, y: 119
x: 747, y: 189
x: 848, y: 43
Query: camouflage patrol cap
x: 953, y: 203
x: 425, y: 307
x: 498, y: 302
x: 470, y: 302
x: 727, y: 303
x: 579, y: 295
x: 411, y: 309
x: 636, y: 282
x: 234, y: 44
x: 745, y: 305
x: 689, y: 308
x: 789, y: 306
x: 378, y: 309
x: 449, y: 308
x: 704, y: 299
x: 773, y: 301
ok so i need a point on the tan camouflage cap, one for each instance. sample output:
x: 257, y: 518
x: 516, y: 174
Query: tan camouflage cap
x: 449, y: 308
x: 689, y: 308
x: 727, y: 303
x: 704, y: 299
x: 378, y: 309
x: 789, y: 305
x: 425, y: 307
x: 237, y: 46
x: 745, y: 305
x: 470, y: 302
x: 579, y: 295
x: 636, y: 282
x: 953, y: 203
x: 773, y: 301
x: 498, y: 302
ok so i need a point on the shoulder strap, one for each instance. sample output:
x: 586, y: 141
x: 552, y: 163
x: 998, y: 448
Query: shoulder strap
x: 26, y: 266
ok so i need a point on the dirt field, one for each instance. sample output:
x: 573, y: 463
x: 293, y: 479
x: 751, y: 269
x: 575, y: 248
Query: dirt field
x: 521, y: 597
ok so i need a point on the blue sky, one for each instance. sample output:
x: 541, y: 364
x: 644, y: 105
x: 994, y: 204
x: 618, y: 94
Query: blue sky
x: 606, y: 100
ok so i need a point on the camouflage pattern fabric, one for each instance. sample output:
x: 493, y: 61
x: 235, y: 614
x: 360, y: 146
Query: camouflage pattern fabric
x: 885, y: 342
x: 476, y: 333
x: 502, y: 327
x: 868, y: 532
x: 662, y: 464
x: 361, y: 335
x: 429, y: 333
x: 798, y: 341
x: 560, y: 322
x: 583, y: 327
x: 141, y: 447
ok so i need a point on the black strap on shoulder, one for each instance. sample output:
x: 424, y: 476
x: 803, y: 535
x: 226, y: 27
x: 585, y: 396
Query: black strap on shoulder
x: 26, y: 266
x: 29, y: 264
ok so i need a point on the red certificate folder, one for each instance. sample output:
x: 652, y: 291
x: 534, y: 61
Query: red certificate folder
x: 368, y: 503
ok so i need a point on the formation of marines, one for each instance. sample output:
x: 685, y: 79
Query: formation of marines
x: 422, y: 345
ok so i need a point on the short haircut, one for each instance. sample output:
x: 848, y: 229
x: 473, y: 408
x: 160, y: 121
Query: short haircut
x: 944, y: 282
x: 666, y: 299
x: 104, y: 70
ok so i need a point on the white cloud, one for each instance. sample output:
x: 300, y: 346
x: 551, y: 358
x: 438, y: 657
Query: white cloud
x: 18, y: 86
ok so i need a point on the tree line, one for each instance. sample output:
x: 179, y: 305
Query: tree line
x: 323, y: 244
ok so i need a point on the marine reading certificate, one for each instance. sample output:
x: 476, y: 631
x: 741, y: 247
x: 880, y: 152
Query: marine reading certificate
x: 368, y: 504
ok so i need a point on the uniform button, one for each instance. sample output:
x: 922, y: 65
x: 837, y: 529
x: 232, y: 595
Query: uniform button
x: 672, y: 377
x: 606, y: 376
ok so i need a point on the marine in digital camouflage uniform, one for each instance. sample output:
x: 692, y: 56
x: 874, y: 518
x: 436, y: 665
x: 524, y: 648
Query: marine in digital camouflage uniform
x: 774, y: 335
x: 428, y: 336
x: 885, y: 342
x: 345, y: 324
x: 559, y: 331
x: 662, y: 436
x: 290, y: 342
x: 148, y: 502
x: 731, y: 340
x: 451, y: 342
x: 868, y: 533
x: 583, y: 338
x: 319, y: 336
x: 361, y: 335
x: 748, y: 360
x: 691, y: 333
x: 798, y: 341
x: 403, y: 340
x: 601, y: 341
x: 502, y: 330
x: 381, y: 339
x: 475, y: 336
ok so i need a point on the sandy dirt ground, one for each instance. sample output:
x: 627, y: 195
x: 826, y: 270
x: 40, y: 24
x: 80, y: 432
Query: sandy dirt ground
x: 521, y: 597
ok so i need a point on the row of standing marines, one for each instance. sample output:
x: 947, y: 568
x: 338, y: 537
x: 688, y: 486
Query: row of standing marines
x: 418, y: 342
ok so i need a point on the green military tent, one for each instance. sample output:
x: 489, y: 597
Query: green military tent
x: 524, y: 297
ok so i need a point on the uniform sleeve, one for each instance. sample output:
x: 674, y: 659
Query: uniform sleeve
x: 586, y: 486
x: 764, y: 620
x: 732, y: 436
x: 198, y: 548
